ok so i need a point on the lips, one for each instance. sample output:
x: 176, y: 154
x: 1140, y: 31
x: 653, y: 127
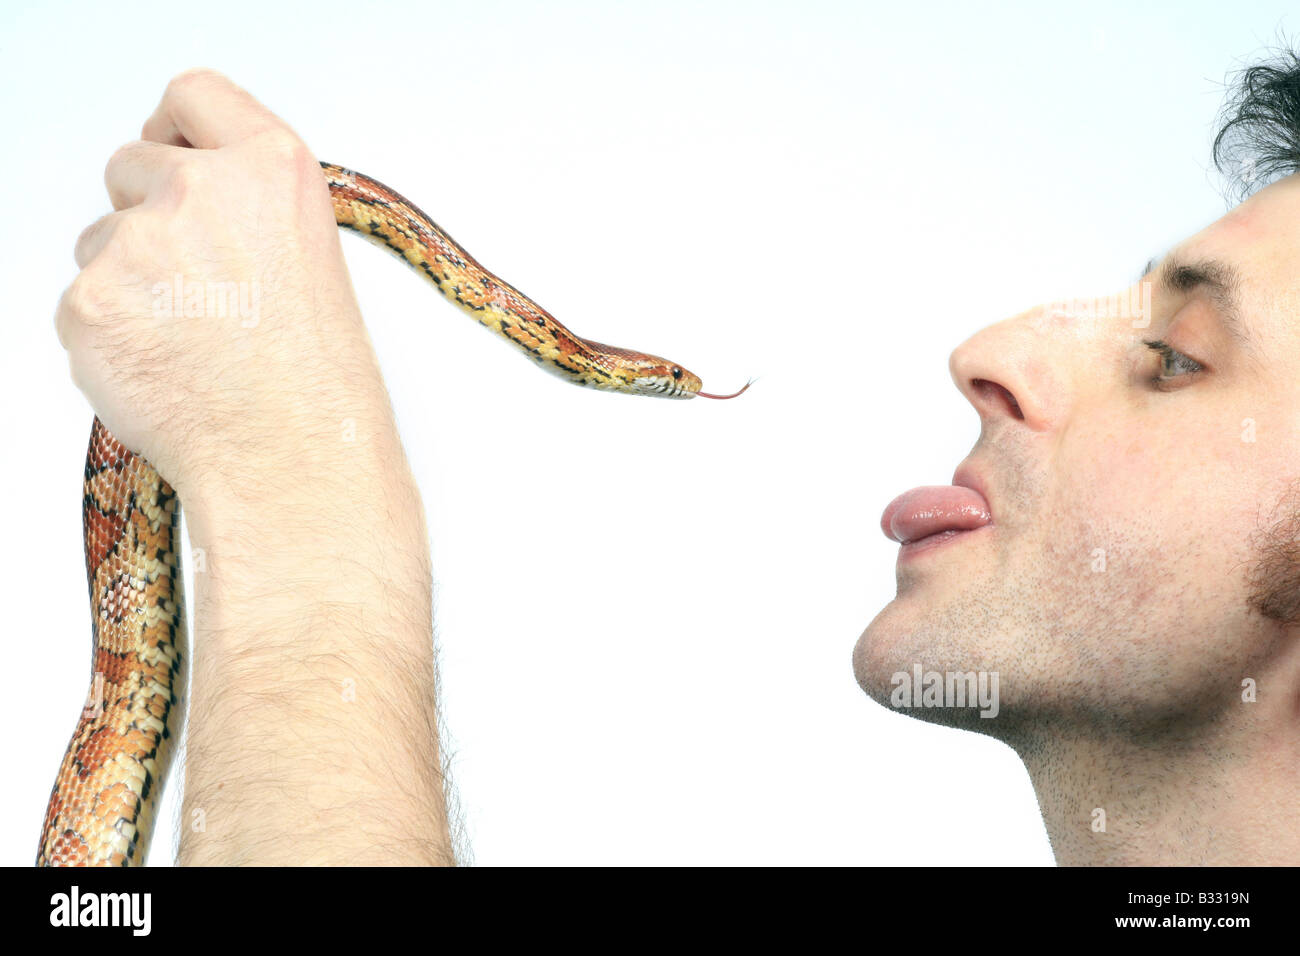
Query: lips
x: 934, y: 510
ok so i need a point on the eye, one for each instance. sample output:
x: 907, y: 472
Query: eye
x: 1173, y: 364
x: 677, y: 373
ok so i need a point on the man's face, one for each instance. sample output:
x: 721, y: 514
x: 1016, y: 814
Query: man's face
x: 1120, y: 578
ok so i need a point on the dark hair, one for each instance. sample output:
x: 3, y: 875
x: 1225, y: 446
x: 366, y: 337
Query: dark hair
x: 1259, y: 126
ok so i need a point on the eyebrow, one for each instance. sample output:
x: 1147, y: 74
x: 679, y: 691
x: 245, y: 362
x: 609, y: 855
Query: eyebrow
x: 1220, y: 279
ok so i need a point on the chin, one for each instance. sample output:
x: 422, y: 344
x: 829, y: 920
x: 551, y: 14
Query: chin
x: 886, y: 647
x: 919, y: 641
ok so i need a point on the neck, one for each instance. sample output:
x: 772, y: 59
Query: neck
x: 1226, y: 794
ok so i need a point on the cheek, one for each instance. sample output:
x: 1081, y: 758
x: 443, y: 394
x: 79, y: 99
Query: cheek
x: 1179, y: 499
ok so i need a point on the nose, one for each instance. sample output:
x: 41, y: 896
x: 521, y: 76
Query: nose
x: 1001, y: 373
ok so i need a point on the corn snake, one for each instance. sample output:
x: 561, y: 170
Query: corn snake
x: 102, y: 806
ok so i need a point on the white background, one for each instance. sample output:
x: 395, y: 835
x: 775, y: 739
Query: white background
x: 645, y: 610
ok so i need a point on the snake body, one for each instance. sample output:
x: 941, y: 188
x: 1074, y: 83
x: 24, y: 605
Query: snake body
x: 102, y: 806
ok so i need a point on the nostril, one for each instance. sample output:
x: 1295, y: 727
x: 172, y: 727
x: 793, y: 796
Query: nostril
x: 998, y: 396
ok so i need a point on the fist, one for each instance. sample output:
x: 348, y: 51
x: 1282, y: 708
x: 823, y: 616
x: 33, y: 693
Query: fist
x: 213, y: 326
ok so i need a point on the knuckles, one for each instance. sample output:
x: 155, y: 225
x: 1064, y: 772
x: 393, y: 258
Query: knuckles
x: 279, y: 151
x: 84, y: 300
x: 83, y: 251
x: 194, y: 78
x: 186, y: 179
x: 115, y: 237
x: 125, y: 154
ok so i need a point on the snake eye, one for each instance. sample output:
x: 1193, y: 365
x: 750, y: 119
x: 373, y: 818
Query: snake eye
x: 677, y: 373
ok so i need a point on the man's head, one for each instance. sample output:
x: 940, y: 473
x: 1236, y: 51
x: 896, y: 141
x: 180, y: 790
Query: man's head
x: 1140, y: 467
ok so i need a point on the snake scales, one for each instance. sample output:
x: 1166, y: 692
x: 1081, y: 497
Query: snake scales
x: 102, y: 805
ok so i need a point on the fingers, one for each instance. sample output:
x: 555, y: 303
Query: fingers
x: 205, y: 109
x: 133, y: 172
x: 70, y: 314
x: 160, y: 129
x: 138, y: 168
x: 94, y: 237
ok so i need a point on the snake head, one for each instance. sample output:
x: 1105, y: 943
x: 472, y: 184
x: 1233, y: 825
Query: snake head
x: 644, y: 374
x: 667, y: 380
x: 663, y: 378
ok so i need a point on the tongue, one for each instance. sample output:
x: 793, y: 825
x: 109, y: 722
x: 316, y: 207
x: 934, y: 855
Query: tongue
x: 922, y: 512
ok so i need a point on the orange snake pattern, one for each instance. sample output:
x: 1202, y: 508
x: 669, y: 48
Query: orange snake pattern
x: 102, y: 806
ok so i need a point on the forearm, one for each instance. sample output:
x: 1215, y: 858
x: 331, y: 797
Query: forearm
x: 312, y: 736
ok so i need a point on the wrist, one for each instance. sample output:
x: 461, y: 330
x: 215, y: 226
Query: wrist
x: 300, y: 474
x: 331, y: 522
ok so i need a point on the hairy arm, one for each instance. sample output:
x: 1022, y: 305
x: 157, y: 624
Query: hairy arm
x: 312, y: 735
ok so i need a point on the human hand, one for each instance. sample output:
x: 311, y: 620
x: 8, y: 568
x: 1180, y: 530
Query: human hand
x: 213, y: 326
